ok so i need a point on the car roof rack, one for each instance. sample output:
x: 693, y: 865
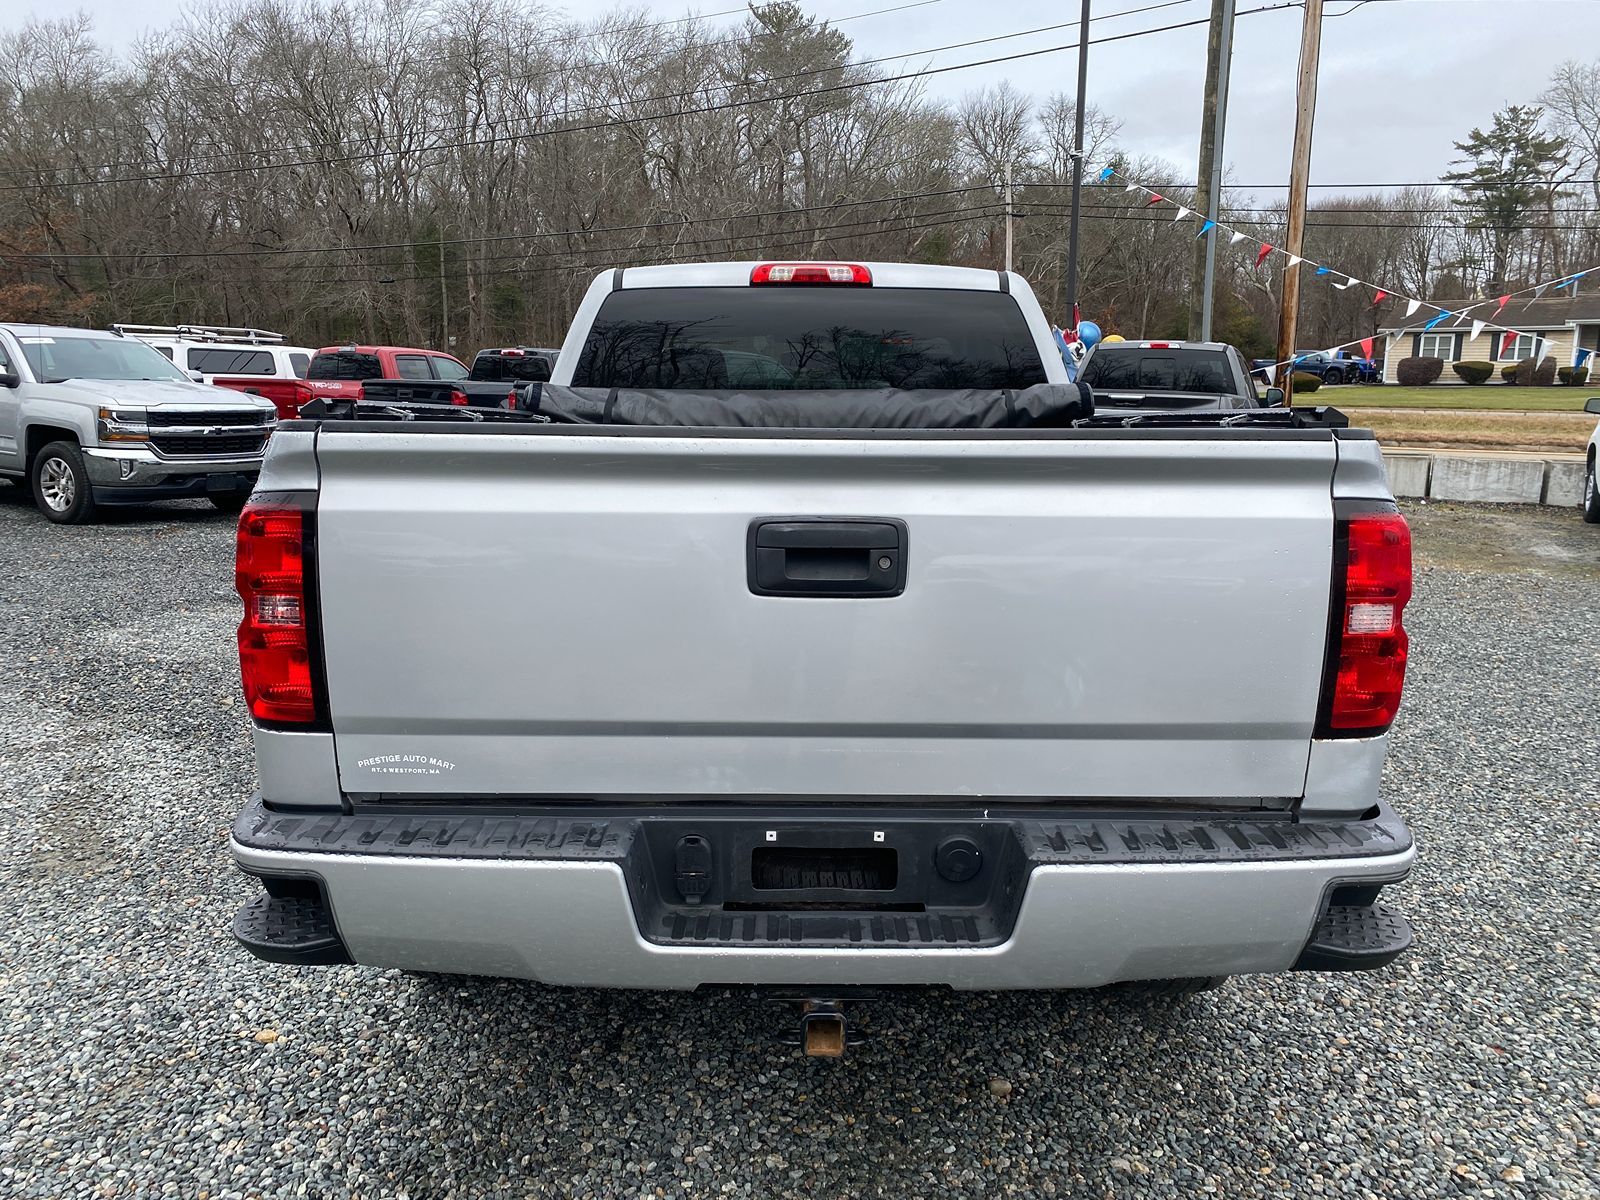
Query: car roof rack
x: 204, y: 333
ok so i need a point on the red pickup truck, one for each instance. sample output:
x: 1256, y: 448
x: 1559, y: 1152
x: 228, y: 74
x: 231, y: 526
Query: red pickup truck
x: 337, y: 373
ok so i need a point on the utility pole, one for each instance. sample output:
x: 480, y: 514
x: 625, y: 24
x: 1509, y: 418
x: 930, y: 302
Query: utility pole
x: 1071, y: 288
x: 1299, y: 178
x: 1009, y: 163
x: 1213, y: 123
x: 444, y: 298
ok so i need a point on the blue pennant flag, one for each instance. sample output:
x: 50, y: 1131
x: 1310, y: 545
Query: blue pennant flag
x: 1583, y: 356
x: 1571, y: 281
x: 1206, y: 228
x: 1105, y: 174
x: 1323, y: 270
x: 1443, y: 313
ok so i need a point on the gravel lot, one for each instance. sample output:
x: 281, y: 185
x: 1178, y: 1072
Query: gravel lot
x: 143, y: 1054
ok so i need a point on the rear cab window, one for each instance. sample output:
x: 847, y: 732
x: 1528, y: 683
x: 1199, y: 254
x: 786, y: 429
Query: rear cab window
x: 809, y: 338
x: 412, y: 366
x: 344, y: 365
x: 298, y: 364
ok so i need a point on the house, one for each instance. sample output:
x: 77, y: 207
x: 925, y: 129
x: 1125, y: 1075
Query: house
x: 1557, y: 326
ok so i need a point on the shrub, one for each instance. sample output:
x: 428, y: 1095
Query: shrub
x: 1418, y: 372
x: 1472, y: 371
x: 1544, y: 375
x: 1573, y: 376
x: 1305, y: 383
x: 1520, y: 372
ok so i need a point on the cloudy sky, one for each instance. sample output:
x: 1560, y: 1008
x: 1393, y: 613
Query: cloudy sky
x: 1400, y: 81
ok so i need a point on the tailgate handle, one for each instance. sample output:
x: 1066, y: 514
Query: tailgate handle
x: 820, y: 556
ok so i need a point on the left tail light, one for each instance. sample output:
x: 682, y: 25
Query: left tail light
x: 289, y: 400
x: 277, y: 651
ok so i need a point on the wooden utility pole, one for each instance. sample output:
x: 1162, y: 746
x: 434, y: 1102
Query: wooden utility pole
x: 1213, y: 121
x: 1299, y: 179
x: 1009, y: 212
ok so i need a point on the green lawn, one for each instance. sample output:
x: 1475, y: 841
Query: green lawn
x: 1487, y: 396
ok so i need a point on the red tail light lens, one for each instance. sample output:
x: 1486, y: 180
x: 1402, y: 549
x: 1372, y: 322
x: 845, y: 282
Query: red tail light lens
x: 838, y: 274
x: 1366, y: 679
x: 274, y: 641
x: 458, y: 397
x: 289, y: 400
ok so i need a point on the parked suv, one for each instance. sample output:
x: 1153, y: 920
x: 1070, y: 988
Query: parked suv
x: 90, y: 418
x: 224, y: 350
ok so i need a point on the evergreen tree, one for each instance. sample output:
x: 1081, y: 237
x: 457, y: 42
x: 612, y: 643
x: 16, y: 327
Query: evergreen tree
x: 1507, y: 176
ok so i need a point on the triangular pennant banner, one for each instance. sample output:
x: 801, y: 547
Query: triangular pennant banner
x: 1583, y: 356
x: 1155, y: 198
x: 1477, y: 328
x: 1379, y: 299
x: 1349, y: 282
x: 1261, y: 255
x: 1294, y: 261
x: 1443, y: 313
x: 1324, y: 270
x: 1105, y: 174
x: 1540, y: 290
x: 1133, y: 187
x: 1206, y: 228
x: 1236, y: 238
x: 1501, y: 303
x: 1412, y: 306
x: 1506, y: 343
x: 1366, y: 347
x: 1182, y: 213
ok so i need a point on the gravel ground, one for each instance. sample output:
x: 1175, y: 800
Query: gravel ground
x: 142, y: 1054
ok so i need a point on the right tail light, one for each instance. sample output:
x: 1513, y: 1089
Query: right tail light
x: 1367, y: 641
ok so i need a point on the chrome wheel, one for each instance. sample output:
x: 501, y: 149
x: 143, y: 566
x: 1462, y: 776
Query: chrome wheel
x: 58, y: 487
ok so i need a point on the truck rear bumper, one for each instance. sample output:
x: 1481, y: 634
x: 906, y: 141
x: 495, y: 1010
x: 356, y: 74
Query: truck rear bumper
x: 1091, y: 902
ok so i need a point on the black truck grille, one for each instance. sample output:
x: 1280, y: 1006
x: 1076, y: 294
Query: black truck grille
x: 231, y: 419
x: 193, y: 444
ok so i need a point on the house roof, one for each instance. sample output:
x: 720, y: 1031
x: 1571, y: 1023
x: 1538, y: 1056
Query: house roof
x: 1551, y: 312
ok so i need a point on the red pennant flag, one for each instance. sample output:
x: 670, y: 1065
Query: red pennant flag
x: 1507, y: 342
x: 1261, y: 255
x: 1379, y: 299
x: 1501, y: 303
x: 1366, y: 347
x: 1155, y: 198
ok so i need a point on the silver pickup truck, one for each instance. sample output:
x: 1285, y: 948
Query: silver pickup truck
x: 814, y: 635
x: 91, y: 418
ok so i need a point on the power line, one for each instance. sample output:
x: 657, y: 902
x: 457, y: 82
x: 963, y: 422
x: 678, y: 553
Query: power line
x: 563, y: 70
x: 591, y: 108
x: 635, y: 120
x: 506, y: 237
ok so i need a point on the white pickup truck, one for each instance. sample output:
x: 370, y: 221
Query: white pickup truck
x: 90, y: 418
x: 813, y: 634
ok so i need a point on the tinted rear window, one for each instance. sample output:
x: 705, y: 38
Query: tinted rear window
x: 343, y: 365
x: 503, y: 368
x: 298, y: 364
x: 1134, y: 369
x: 808, y: 338
x: 217, y: 361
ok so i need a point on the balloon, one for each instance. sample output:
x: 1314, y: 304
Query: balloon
x: 1113, y: 337
x: 1088, y: 333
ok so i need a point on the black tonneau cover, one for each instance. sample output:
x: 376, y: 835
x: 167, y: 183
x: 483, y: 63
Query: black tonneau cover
x: 1045, y: 404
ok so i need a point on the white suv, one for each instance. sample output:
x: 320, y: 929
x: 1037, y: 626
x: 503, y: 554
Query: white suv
x: 216, y: 350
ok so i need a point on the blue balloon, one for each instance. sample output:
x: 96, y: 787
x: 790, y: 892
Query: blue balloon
x: 1088, y: 333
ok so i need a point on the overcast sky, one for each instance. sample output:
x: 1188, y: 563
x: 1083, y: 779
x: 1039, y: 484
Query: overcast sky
x: 1400, y: 81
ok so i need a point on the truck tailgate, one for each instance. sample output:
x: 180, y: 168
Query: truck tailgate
x: 1126, y: 614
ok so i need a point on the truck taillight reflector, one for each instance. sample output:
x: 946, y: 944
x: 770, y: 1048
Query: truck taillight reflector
x: 289, y: 401
x: 847, y: 274
x: 274, y: 639
x: 1368, y: 646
